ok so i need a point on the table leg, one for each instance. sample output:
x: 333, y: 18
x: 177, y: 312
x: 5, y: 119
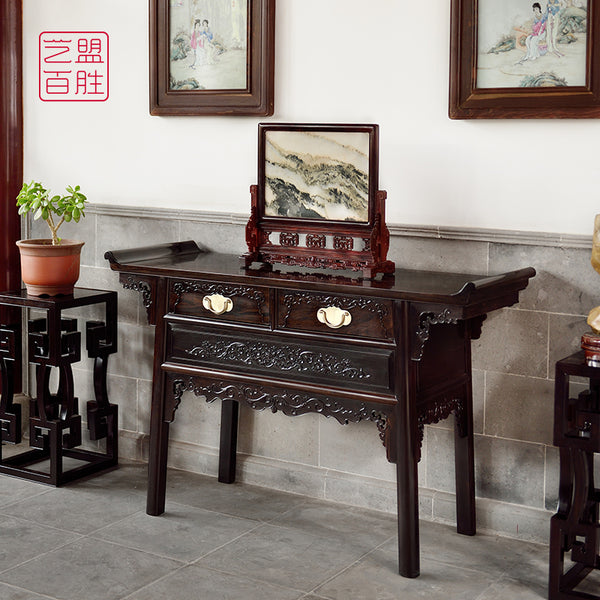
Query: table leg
x: 159, y: 425
x: 464, y: 458
x: 408, y: 499
x: 228, y: 445
x: 157, y: 463
x: 404, y: 437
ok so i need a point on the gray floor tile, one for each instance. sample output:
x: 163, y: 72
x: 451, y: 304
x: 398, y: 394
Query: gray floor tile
x: 184, y: 532
x: 275, y: 554
x: 376, y: 578
x: 92, y: 540
x: 22, y: 540
x: 91, y: 570
x: 195, y: 583
x: 79, y: 510
x: 591, y: 584
x: 8, y: 592
x: 509, y: 588
x: 129, y: 477
x: 530, y: 563
x: 235, y: 499
x: 490, y: 554
x: 13, y: 490
x: 364, y: 529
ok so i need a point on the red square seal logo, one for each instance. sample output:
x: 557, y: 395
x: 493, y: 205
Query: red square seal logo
x: 73, y: 66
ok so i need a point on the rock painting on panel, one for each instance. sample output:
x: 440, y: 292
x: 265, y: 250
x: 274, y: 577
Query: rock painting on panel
x: 317, y: 175
x: 525, y: 43
x: 208, y: 44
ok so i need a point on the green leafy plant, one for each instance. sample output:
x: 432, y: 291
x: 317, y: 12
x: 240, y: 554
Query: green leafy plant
x: 55, y: 210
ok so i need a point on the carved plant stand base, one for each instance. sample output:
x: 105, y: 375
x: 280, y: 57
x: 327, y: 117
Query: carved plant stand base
x: 575, y: 527
x: 55, y: 422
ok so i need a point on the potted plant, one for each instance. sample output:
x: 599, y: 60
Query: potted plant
x: 50, y: 266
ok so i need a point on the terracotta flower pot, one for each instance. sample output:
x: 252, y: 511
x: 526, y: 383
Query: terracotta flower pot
x: 47, y: 269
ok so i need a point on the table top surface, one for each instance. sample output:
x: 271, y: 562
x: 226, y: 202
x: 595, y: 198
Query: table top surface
x: 187, y: 260
x: 79, y: 297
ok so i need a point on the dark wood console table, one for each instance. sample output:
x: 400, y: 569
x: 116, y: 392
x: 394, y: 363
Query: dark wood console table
x: 55, y: 422
x: 395, y: 351
x: 575, y: 527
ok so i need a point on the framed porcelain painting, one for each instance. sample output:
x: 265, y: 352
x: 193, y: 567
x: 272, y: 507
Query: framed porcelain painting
x: 524, y: 59
x: 212, y: 57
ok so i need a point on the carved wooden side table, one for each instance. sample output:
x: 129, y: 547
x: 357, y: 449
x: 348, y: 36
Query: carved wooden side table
x: 55, y: 423
x: 575, y: 526
x: 394, y: 351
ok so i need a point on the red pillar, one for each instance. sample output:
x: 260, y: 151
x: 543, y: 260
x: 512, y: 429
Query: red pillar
x: 11, y: 151
x: 11, y: 139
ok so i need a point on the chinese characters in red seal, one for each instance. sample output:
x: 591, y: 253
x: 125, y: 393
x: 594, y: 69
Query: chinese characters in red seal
x: 74, y: 66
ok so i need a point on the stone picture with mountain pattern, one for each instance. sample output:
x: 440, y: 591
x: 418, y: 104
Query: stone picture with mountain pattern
x: 317, y: 175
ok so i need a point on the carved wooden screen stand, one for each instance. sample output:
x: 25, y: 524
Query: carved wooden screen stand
x: 353, y: 247
x: 317, y: 203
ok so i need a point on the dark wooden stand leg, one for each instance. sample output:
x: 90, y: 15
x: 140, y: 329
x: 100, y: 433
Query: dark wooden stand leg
x: 10, y: 413
x: 157, y: 463
x: 159, y: 424
x: 405, y: 440
x: 102, y: 416
x: 228, y: 444
x: 464, y: 458
x: 559, y: 539
x: 408, y: 499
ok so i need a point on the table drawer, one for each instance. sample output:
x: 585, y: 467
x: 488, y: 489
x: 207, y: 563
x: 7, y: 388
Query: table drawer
x: 360, y: 317
x: 345, y: 365
x: 220, y: 301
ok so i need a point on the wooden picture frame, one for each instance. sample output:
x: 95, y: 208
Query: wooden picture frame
x: 534, y: 71
x: 205, y: 61
x: 317, y: 202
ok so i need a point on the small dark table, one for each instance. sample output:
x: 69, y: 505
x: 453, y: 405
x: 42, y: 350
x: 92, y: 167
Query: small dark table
x: 54, y: 423
x: 394, y: 351
x: 575, y: 526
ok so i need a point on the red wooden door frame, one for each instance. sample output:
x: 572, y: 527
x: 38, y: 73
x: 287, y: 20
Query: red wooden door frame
x: 11, y: 139
x: 11, y: 153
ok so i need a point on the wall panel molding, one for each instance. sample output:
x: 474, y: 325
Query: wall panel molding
x: 467, y: 234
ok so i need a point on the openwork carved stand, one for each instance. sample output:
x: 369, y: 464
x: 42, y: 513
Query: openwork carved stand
x: 55, y: 422
x: 575, y: 527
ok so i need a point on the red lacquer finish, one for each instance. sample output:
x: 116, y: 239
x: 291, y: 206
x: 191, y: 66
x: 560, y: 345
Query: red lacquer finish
x: 11, y: 140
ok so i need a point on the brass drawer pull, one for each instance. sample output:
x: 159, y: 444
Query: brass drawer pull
x: 217, y: 304
x: 334, y: 317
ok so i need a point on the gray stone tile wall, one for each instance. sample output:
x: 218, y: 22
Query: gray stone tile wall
x: 513, y: 380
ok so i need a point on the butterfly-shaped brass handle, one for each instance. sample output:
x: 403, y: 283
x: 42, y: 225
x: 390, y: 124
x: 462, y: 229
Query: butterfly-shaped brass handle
x: 334, y: 317
x: 217, y: 304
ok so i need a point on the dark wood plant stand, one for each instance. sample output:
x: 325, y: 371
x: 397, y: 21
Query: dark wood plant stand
x: 575, y: 526
x: 54, y: 423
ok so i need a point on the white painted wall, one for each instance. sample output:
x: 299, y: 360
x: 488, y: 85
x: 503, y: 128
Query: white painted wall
x: 385, y: 61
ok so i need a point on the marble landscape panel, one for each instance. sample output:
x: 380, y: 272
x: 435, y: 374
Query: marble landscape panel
x: 317, y: 175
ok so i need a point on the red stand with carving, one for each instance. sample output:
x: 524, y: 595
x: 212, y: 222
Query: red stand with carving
x: 284, y: 247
